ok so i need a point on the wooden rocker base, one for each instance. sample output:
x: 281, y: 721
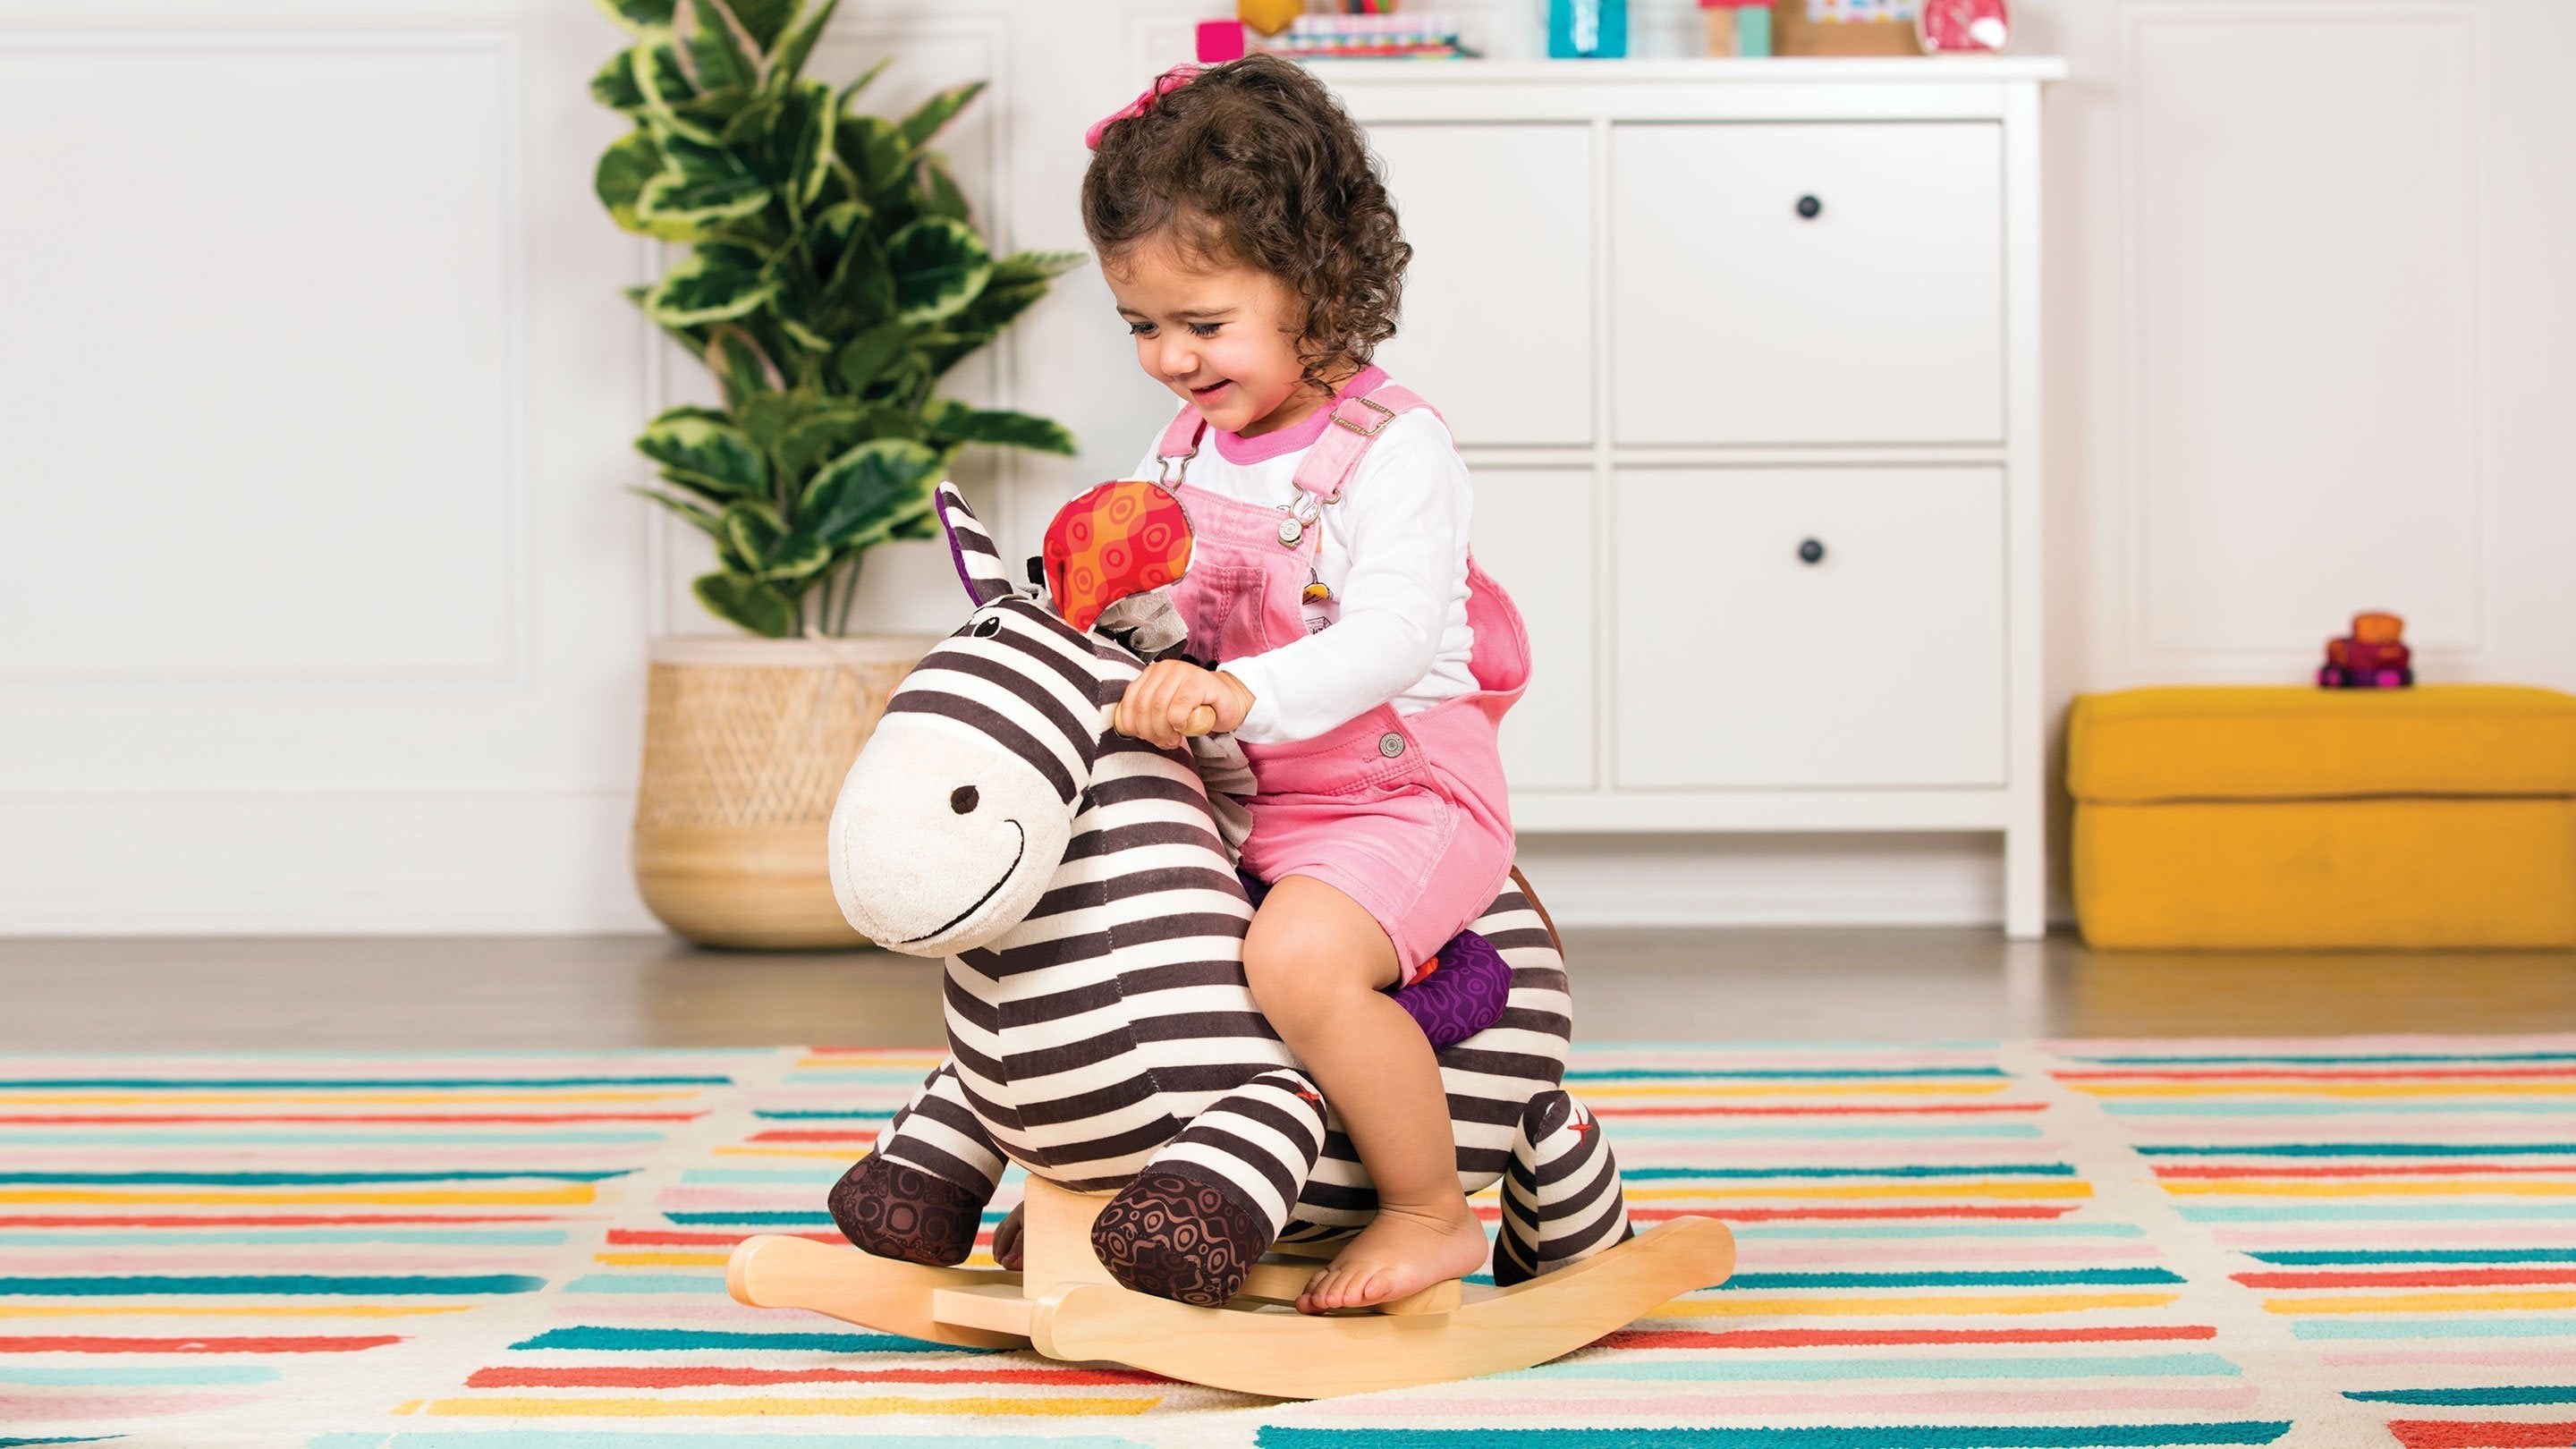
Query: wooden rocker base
x: 1065, y: 1306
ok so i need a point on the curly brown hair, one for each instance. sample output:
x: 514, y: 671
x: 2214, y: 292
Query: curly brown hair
x: 1255, y: 164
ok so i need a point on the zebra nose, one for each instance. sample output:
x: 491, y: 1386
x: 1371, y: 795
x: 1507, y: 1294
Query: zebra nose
x: 963, y: 799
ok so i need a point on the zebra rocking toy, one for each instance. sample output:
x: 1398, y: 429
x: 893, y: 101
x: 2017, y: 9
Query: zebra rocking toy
x: 1183, y: 1172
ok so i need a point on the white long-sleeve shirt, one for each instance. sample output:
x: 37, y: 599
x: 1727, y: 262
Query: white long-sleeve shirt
x: 1394, y: 555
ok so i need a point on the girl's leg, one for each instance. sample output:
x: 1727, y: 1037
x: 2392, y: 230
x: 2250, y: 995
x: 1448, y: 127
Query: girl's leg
x: 1318, y: 963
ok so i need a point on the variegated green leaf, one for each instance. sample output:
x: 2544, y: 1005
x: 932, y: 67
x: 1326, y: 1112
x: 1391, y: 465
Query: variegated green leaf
x: 850, y: 92
x: 722, y: 50
x: 860, y: 495
x: 938, y: 265
x: 699, y: 187
x: 1018, y: 281
x: 825, y: 434
x: 840, y: 183
x: 861, y: 288
x: 614, y: 86
x: 766, y: 20
x: 871, y: 353
x: 711, y: 114
x: 716, y: 282
x: 813, y: 152
x: 749, y: 124
x: 770, y: 416
x: 796, y: 557
x: 638, y: 14
x: 741, y: 366
x: 752, y: 530
x: 787, y: 58
x: 754, y: 605
x: 833, y: 228
x: 691, y: 509
x: 623, y: 169
x: 920, y: 523
x: 662, y: 79
x: 992, y: 310
x: 936, y: 352
x: 949, y: 420
x: 835, y: 430
x: 938, y: 192
x: 927, y: 119
x: 804, y: 335
x: 1021, y: 267
x: 873, y: 150
x: 786, y: 140
x: 705, y: 454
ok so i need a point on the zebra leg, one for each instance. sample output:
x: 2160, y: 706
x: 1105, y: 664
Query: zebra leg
x: 1561, y: 1198
x: 1203, y: 1210
x: 920, y: 1195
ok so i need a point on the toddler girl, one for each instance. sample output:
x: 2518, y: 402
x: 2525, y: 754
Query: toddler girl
x: 1364, y: 661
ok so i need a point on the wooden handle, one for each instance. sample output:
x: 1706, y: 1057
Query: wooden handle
x: 1202, y: 721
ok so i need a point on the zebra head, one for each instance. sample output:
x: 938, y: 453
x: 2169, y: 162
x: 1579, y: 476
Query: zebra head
x: 958, y: 811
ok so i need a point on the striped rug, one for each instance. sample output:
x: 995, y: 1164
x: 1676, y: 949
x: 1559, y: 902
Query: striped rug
x: 2334, y: 1244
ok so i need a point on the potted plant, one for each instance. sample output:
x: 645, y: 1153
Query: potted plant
x: 833, y: 277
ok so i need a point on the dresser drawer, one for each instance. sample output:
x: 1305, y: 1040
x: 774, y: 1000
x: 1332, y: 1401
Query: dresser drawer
x: 1808, y: 627
x: 1807, y: 283
x: 1498, y: 304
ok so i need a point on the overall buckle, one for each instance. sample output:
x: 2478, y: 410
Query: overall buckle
x: 1385, y: 415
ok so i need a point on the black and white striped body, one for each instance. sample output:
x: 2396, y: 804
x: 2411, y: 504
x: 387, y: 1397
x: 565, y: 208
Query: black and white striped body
x: 1081, y: 889
x: 1089, y: 1033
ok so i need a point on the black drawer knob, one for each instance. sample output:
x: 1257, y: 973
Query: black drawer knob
x: 1810, y: 208
x: 1812, y: 551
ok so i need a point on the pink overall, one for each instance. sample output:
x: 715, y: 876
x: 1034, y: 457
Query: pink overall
x: 1406, y: 814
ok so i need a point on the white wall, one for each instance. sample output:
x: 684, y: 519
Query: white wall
x: 323, y: 607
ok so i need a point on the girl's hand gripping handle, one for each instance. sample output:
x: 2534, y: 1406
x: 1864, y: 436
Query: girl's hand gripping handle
x: 1175, y: 700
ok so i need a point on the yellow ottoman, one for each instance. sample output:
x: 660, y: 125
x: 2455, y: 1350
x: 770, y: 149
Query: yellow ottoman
x: 2206, y: 819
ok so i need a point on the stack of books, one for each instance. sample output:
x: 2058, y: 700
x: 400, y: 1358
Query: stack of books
x: 1312, y: 37
x: 2373, y: 656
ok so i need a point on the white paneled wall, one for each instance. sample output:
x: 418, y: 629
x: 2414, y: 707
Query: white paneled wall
x: 324, y: 607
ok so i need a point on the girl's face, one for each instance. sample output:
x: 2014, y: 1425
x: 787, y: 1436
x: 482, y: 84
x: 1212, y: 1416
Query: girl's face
x: 1222, y: 337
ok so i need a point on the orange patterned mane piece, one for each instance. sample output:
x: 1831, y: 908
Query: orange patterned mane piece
x: 1118, y: 539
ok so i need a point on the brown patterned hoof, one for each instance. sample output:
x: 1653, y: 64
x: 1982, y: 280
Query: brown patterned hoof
x: 1010, y: 1239
x: 906, y: 1214
x: 1180, y: 1238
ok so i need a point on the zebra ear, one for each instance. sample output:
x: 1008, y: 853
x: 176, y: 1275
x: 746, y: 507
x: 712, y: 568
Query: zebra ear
x: 979, y: 563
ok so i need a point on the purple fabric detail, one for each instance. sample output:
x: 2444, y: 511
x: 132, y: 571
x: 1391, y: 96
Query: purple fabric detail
x: 1463, y: 997
x: 957, y: 557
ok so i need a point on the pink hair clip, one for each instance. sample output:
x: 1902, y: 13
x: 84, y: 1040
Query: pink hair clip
x: 1164, y: 84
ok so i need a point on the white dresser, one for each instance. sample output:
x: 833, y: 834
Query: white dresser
x: 1745, y: 355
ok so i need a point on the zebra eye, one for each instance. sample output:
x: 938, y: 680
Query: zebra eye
x: 987, y: 628
x: 963, y: 799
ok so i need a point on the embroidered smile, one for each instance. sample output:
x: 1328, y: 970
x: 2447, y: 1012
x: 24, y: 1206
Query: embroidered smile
x: 1008, y: 871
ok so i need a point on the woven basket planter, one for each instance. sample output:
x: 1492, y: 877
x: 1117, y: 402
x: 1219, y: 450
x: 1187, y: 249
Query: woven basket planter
x: 745, y: 744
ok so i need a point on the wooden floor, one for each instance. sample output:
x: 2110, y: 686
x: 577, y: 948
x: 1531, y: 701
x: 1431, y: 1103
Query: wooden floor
x: 1662, y: 985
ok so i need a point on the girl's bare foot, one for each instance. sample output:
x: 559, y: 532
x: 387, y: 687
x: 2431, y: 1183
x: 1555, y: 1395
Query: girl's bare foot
x: 1401, y: 1252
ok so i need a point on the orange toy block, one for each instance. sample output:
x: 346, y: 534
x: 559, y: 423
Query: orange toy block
x: 2378, y: 628
x: 1268, y: 16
